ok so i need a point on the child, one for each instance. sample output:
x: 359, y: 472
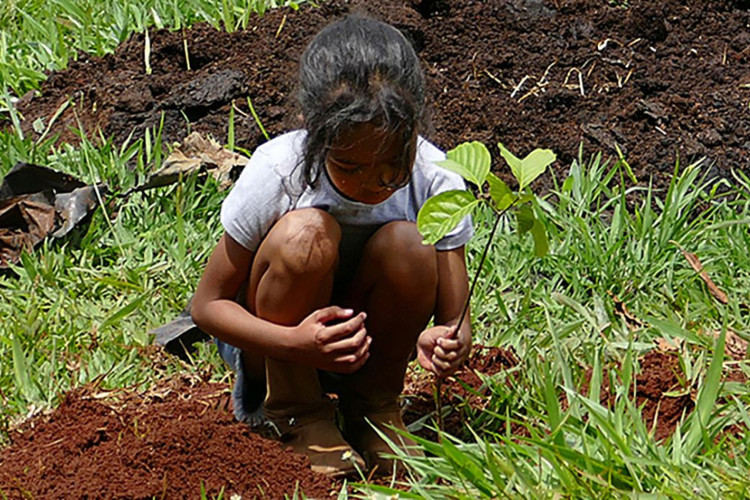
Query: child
x: 336, y: 288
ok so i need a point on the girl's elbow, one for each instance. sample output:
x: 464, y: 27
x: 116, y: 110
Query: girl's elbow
x: 199, y: 314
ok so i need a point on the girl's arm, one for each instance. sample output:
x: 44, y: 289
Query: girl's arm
x: 340, y: 348
x: 441, y: 349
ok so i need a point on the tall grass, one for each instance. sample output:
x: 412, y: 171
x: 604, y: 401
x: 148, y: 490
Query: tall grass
x: 559, y: 316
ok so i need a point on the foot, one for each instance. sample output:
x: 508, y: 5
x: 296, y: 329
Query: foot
x: 372, y: 446
x: 323, y: 444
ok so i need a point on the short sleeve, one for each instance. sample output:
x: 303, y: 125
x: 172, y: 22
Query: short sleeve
x: 255, y: 203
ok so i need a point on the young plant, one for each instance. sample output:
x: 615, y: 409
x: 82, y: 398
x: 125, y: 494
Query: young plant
x: 441, y: 213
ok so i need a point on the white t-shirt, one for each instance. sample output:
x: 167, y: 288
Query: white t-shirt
x: 272, y: 184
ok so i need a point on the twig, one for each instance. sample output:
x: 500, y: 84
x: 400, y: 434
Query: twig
x: 518, y: 87
x: 281, y: 26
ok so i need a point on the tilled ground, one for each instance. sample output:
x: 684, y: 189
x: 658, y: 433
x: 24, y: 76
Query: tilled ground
x: 659, y: 80
x: 180, y: 436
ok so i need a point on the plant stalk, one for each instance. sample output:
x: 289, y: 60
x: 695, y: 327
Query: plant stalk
x: 438, y: 380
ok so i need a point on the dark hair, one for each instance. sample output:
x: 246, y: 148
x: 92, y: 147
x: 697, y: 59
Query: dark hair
x: 358, y: 70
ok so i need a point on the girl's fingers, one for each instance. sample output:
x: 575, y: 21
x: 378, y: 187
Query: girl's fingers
x: 331, y: 313
x: 353, y: 343
x: 442, y: 365
x: 349, y: 363
x: 446, y: 355
x: 449, y: 344
x: 345, y: 329
x: 360, y: 353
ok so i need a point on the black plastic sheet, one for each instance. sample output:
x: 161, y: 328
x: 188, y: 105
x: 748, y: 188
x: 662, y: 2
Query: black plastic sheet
x: 37, y: 202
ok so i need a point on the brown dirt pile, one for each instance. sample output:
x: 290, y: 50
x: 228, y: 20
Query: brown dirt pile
x: 659, y: 80
x: 163, y: 444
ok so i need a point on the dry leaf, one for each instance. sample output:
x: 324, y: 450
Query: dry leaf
x: 197, y: 153
x: 698, y: 267
x: 665, y: 345
x: 734, y: 345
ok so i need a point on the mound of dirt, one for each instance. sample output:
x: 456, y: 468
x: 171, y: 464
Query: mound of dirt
x: 181, y: 436
x: 659, y: 81
x: 662, y: 391
x: 171, y: 442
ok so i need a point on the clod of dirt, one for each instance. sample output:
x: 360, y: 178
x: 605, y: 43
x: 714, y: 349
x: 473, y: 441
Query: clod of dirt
x: 527, y: 73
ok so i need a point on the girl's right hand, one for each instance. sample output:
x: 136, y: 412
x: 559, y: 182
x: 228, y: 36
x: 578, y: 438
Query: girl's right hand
x: 341, y: 347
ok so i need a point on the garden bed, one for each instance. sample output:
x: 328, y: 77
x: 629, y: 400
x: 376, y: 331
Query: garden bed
x: 180, y: 437
x: 660, y: 81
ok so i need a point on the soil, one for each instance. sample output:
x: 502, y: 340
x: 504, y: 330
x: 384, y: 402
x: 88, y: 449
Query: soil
x: 168, y: 443
x: 659, y: 389
x: 180, y: 436
x: 658, y: 80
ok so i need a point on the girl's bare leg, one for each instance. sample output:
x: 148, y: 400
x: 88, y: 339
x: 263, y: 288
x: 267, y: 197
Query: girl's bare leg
x: 396, y: 284
x: 291, y: 276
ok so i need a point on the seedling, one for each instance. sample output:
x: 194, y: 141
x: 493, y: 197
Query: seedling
x: 442, y: 213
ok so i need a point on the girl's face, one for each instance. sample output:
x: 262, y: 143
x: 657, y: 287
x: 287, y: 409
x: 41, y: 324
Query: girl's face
x: 363, y: 163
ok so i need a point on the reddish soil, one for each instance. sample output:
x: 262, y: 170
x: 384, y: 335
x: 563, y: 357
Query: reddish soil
x: 659, y: 79
x: 662, y: 392
x: 463, y: 395
x: 170, y: 440
x: 660, y: 374
x: 162, y: 444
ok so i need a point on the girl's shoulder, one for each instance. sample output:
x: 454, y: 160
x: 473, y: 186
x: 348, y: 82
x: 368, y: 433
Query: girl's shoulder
x: 426, y: 170
x: 283, y: 152
x: 427, y: 152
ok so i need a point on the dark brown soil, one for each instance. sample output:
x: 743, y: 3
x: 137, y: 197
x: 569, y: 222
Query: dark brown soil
x: 659, y: 79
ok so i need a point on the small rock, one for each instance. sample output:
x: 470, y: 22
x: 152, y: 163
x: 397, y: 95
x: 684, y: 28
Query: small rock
x: 710, y: 137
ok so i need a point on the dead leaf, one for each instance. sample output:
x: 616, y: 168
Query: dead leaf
x: 622, y: 310
x: 734, y: 345
x: 665, y: 345
x: 195, y: 154
x: 24, y: 222
x: 695, y: 263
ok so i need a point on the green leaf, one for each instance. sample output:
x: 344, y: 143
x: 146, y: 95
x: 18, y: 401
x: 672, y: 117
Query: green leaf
x: 21, y: 370
x: 499, y: 192
x: 441, y: 213
x: 706, y: 402
x: 124, y: 311
x: 531, y: 167
x: 470, y: 160
x: 525, y: 218
x: 541, y: 243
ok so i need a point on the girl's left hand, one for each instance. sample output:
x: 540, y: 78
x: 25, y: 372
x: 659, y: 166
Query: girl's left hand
x: 441, y: 351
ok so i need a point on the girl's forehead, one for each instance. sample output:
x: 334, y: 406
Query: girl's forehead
x: 367, y: 136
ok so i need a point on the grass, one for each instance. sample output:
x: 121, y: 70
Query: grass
x: 559, y: 317
x: 79, y: 309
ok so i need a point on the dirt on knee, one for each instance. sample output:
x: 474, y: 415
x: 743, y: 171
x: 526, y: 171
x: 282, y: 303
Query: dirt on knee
x: 309, y: 242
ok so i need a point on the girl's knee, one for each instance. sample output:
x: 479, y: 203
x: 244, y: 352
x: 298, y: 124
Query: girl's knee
x: 305, y: 242
x: 397, y: 248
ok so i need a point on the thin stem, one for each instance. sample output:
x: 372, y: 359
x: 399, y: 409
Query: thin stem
x: 438, y: 380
